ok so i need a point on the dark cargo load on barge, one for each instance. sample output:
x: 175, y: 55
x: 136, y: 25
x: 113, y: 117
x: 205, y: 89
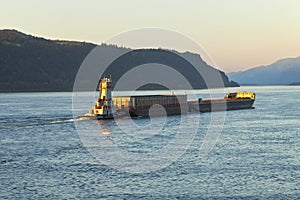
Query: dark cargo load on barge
x: 172, y: 104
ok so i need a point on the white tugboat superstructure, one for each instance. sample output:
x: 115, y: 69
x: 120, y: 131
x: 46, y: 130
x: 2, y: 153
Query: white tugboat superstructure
x: 103, y: 108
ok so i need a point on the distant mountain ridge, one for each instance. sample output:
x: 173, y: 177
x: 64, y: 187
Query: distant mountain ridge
x: 29, y: 63
x: 282, y: 72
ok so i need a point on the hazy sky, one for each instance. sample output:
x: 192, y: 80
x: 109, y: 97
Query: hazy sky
x: 237, y: 34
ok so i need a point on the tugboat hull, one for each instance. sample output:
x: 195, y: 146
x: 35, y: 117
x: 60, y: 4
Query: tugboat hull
x: 104, y: 117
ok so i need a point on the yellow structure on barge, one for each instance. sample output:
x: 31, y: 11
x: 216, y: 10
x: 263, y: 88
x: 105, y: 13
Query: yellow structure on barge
x: 241, y: 95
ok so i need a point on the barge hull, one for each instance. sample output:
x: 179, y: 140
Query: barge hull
x: 176, y: 110
x: 226, y: 105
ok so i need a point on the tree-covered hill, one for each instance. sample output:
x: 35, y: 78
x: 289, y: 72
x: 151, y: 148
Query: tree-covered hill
x: 29, y: 63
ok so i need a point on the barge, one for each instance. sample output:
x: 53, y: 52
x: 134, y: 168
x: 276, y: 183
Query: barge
x: 153, y: 105
x: 232, y: 101
x: 108, y: 107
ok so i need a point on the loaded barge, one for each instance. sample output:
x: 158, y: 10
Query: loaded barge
x: 108, y: 107
x: 232, y: 101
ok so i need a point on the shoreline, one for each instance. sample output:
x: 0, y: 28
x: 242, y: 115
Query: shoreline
x: 203, y: 89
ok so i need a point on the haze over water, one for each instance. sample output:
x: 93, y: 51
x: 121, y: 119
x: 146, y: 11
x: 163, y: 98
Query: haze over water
x: 256, y: 156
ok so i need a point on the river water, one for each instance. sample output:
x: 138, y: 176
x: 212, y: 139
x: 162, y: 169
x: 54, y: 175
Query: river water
x: 256, y: 155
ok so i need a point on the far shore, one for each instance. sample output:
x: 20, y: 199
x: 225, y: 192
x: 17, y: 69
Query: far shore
x: 42, y: 91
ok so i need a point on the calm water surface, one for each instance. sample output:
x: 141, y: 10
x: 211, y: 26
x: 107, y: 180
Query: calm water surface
x: 256, y: 157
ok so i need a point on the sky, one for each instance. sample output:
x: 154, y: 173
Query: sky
x: 237, y: 34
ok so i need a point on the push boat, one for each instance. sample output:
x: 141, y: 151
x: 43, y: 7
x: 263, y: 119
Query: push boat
x: 103, y: 107
x: 108, y: 107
